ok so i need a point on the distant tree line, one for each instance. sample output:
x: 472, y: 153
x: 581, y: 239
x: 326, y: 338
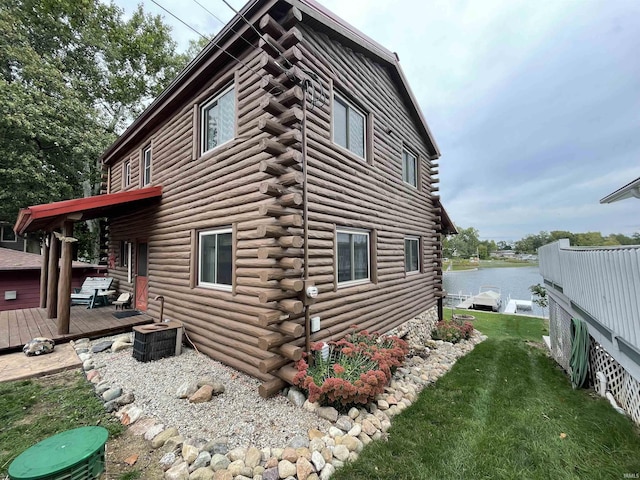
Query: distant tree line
x: 467, y: 243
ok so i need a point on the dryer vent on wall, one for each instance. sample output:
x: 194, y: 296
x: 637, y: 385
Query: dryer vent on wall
x: 157, y: 340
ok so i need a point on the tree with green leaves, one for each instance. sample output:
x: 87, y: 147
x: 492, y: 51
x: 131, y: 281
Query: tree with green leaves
x: 73, y: 74
x: 463, y: 245
x: 539, y: 296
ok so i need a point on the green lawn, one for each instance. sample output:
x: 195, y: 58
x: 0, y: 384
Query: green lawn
x: 504, y: 411
x: 32, y: 410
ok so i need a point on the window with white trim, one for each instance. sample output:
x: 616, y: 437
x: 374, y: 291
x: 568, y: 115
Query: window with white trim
x: 146, y: 166
x: 353, y: 256
x: 215, y: 258
x: 127, y: 173
x: 411, y: 254
x: 409, y: 168
x: 349, y: 126
x: 218, y: 120
x: 7, y: 234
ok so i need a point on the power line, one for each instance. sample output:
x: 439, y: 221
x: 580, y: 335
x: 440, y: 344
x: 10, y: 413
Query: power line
x: 211, y: 40
x: 180, y: 20
x: 306, y: 83
x: 275, y: 47
x: 223, y: 23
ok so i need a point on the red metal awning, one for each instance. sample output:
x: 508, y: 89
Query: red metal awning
x: 51, y: 215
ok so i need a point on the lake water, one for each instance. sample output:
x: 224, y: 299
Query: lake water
x: 511, y: 281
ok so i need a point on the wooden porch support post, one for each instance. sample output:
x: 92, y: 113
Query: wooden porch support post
x: 52, y: 278
x: 44, y: 271
x: 440, y: 309
x: 64, y: 285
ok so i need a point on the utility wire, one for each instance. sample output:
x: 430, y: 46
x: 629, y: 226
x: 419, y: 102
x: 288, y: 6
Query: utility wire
x: 276, y: 47
x: 222, y: 22
x: 307, y: 84
x: 211, y: 40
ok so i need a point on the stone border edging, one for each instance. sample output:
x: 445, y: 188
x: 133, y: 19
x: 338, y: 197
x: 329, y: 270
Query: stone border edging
x: 314, y: 457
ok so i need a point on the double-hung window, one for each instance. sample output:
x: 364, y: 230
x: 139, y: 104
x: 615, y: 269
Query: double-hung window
x: 127, y: 173
x: 353, y: 256
x: 411, y: 254
x: 349, y: 126
x: 217, y: 120
x: 409, y: 168
x: 215, y: 258
x: 146, y: 166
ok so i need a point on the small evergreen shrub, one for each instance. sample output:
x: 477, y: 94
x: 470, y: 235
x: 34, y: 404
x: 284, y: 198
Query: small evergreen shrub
x: 356, y: 369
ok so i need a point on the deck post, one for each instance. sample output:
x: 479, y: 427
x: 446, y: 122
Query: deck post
x: 64, y: 285
x: 44, y: 271
x: 52, y: 278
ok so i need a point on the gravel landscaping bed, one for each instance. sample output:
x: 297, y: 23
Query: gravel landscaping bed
x: 221, y: 429
x: 239, y: 414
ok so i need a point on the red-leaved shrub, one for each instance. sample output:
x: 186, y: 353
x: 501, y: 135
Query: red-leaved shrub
x: 355, y: 370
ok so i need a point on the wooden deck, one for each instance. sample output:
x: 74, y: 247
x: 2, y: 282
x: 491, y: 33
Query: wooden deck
x: 17, y: 327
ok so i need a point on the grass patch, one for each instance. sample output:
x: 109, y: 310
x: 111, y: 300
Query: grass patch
x: 501, y: 413
x: 32, y: 410
x: 500, y: 326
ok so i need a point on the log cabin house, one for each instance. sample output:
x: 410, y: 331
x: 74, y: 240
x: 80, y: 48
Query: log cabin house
x: 290, y: 191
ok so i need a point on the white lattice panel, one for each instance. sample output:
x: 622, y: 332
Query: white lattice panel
x: 624, y: 388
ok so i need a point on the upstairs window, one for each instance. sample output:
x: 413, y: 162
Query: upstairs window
x: 127, y: 173
x: 409, y: 168
x: 411, y: 254
x: 215, y: 262
x: 348, y: 126
x: 353, y: 256
x: 217, y: 120
x: 146, y: 166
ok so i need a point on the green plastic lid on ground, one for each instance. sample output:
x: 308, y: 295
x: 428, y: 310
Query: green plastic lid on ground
x: 60, y: 453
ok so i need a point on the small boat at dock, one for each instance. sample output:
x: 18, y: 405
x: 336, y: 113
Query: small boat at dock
x: 488, y: 298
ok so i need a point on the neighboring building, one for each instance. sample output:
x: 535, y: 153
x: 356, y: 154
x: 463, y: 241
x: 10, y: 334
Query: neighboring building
x: 208, y: 205
x: 630, y: 190
x: 9, y: 239
x: 20, y: 278
x: 600, y: 285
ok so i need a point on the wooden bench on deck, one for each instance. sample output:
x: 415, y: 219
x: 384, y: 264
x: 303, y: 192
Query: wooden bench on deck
x: 94, y: 291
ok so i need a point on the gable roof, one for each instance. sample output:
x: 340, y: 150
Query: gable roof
x: 17, y: 260
x: 195, y: 74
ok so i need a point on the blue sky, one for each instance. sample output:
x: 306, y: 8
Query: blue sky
x: 535, y: 105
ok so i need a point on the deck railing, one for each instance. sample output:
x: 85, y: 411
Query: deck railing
x: 603, y: 282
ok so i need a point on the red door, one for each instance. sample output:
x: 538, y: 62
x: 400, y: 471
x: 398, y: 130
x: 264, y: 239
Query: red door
x: 142, y: 280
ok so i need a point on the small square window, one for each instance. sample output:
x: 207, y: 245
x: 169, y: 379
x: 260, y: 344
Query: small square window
x: 217, y: 120
x: 348, y: 126
x: 409, y: 168
x: 215, y: 258
x: 411, y: 254
x: 146, y: 166
x: 353, y: 256
x: 127, y: 173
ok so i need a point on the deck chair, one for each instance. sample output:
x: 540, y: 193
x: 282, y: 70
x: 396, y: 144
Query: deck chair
x: 94, y: 291
x: 123, y: 301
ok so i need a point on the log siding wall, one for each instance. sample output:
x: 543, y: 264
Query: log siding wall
x: 256, y: 327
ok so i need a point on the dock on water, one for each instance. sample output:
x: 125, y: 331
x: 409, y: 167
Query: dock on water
x: 514, y: 305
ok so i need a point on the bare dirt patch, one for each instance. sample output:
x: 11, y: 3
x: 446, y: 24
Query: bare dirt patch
x: 122, y: 450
